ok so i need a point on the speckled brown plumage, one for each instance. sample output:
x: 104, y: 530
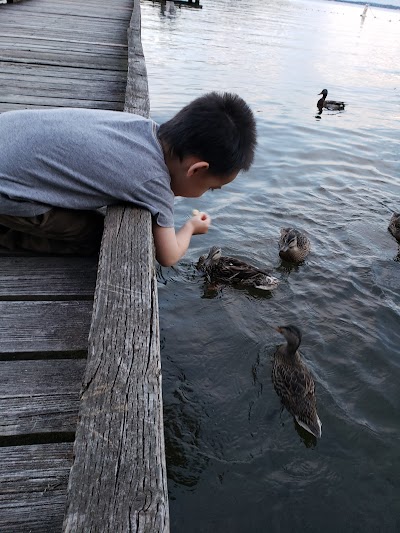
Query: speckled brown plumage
x: 294, y: 245
x: 394, y: 226
x: 231, y: 270
x: 294, y: 383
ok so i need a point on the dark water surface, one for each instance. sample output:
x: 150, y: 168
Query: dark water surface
x: 235, y: 462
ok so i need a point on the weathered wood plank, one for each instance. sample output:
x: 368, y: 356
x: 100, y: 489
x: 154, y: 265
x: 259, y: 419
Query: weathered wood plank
x: 40, y: 396
x: 37, y: 90
x: 44, y: 326
x: 57, y: 82
x: 56, y: 58
x: 61, y: 72
x: 47, y: 277
x: 33, y: 482
x: 45, y: 44
x: 137, y: 90
x: 120, y: 429
x: 69, y: 9
x: 45, y: 101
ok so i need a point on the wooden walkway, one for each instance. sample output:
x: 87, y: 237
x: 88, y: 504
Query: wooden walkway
x: 54, y: 53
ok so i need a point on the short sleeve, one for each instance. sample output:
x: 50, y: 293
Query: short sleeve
x: 156, y: 195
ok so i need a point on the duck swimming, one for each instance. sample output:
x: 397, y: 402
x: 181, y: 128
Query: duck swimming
x: 332, y: 105
x: 394, y: 226
x: 232, y: 270
x: 294, y: 383
x: 293, y: 245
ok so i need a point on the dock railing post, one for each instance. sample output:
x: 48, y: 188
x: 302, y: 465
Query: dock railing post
x: 118, y: 479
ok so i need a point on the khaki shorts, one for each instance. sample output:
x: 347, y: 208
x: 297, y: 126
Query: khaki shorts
x: 58, y: 231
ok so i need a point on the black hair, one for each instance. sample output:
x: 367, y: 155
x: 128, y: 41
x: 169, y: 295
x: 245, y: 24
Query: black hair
x: 217, y: 128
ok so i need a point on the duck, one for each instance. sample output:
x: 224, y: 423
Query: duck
x: 293, y: 245
x: 231, y: 270
x: 294, y: 383
x: 332, y: 105
x: 394, y: 226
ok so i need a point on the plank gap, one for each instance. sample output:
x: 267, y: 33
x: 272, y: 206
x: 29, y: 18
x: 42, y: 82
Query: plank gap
x: 36, y: 438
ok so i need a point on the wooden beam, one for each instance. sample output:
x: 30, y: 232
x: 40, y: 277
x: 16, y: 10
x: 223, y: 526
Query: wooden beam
x: 118, y: 478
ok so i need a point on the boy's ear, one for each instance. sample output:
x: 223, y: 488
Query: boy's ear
x: 195, y: 167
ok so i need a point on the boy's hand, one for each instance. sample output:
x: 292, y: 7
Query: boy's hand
x: 171, y: 246
x: 200, y: 223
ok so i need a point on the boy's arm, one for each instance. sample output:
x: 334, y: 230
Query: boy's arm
x: 171, y: 246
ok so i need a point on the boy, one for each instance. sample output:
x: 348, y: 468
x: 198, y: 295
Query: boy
x: 58, y: 166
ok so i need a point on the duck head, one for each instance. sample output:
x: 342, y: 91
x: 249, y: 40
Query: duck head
x: 212, y: 259
x: 324, y: 93
x: 394, y: 226
x: 292, y: 335
x: 288, y: 245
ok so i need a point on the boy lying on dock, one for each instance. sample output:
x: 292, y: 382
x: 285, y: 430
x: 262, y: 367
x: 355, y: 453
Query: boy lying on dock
x: 59, y: 166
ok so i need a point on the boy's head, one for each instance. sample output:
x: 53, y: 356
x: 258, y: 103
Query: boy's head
x: 212, y: 138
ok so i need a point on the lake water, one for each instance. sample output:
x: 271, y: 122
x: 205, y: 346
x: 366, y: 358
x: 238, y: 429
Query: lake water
x: 236, y: 463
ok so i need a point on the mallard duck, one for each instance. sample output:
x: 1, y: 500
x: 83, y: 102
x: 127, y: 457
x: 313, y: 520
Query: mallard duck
x: 293, y: 245
x: 332, y: 105
x: 293, y: 382
x: 231, y: 270
x: 394, y: 226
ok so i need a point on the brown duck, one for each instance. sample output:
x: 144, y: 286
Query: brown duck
x: 394, y: 226
x: 294, y: 383
x: 293, y: 245
x: 227, y: 269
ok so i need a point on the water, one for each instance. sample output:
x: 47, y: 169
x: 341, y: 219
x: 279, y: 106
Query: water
x: 236, y: 462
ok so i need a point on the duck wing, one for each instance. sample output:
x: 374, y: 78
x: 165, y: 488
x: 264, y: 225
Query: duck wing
x: 334, y: 104
x: 295, y: 386
x: 230, y: 269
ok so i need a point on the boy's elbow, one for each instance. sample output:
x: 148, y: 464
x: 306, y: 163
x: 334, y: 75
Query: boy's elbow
x: 166, y: 263
x: 166, y: 247
x: 166, y: 260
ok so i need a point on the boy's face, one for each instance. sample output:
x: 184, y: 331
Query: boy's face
x: 197, y: 185
x: 193, y: 179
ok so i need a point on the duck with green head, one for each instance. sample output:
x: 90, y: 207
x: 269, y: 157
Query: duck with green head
x: 294, y: 383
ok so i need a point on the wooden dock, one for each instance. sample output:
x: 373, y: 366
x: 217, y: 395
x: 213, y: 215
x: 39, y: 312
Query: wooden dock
x: 104, y: 468
x: 182, y: 3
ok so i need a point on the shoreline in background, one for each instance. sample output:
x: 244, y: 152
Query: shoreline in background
x: 370, y: 4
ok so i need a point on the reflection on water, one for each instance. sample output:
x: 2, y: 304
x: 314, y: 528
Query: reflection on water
x: 236, y: 462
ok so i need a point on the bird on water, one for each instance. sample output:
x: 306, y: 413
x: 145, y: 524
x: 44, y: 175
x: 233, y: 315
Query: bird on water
x: 294, y: 383
x: 331, y: 105
x: 394, y: 226
x: 293, y: 245
x: 235, y: 271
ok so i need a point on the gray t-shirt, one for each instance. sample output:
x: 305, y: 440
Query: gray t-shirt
x: 82, y: 159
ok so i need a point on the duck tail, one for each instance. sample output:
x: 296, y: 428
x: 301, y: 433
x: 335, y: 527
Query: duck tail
x: 312, y: 426
x: 271, y: 283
